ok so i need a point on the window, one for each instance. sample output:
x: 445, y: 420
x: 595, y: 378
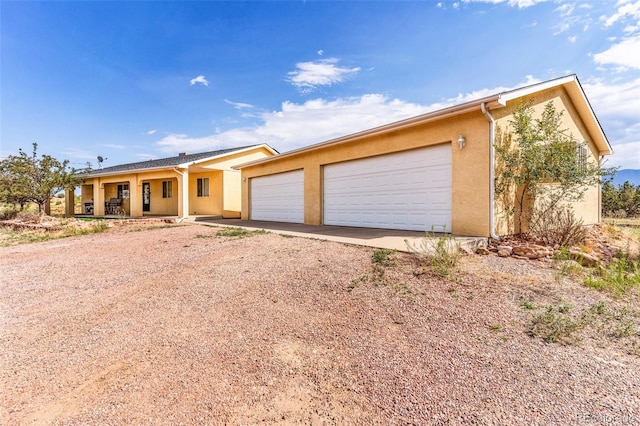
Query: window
x: 123, y: 191
x: 203, y: 187
x: 167, y: 189
x: 582, y: 156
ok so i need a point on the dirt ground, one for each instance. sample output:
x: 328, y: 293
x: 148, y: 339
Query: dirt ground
x: 176, y: 325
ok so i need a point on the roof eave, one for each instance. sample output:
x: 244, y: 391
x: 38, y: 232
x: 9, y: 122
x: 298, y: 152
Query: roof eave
x: 583, y: 105
x: 123, y: 172
x: 573, y: 87
x: 203, y: 160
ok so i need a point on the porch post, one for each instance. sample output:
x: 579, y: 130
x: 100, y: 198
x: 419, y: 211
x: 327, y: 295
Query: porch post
x: 98, y: 198
x: 135, y: 197
x: 183, y: 187
x: 69, y: 202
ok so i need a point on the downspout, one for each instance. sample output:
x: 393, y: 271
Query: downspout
x: 492, y: 184
x: 180, y: 219
x: 600, y: 190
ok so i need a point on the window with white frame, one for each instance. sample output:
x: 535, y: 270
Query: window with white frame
x: 167, y: 189
x: 203, y: 187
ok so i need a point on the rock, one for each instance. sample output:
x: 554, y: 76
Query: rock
x: 465, y: 251
x: 585, y: 259
x: 504, y: 253
x: 532, y: 251
x: 482, y: 251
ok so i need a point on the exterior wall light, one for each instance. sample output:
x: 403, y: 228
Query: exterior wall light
x: 462, y: 141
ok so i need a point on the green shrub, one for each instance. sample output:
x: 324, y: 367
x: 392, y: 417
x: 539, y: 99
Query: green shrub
x: 383, y: 257
x: 554, y: 325
x: 8, y: 213
x: 563, y: 265
x: 442, y: 253
x: 621, y: 275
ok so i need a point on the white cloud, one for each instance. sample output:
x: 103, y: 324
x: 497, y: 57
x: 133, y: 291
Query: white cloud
x: 572, y: 39
x: 144, y: 157
x: 199, y: 80
x: 79, y: 154
x: 320, y: 52
x: 151, y: 132
x: 239, y: 105
x: 520, y: 4
x: 626, y: 156
x: 318, y: 120
x: 114, y: 146
x: 616, y: 105
x: 624, y: 54
x: 625, y: 9
x: 566, y: 9
x: 325, y: 72
x: 297, y: 125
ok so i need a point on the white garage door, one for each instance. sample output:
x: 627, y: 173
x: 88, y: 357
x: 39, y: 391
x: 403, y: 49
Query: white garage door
x: 407, y: 190
x: 278, y: 198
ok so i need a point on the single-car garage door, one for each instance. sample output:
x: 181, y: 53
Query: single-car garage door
x: 406, y: 190
x: 278, y: 198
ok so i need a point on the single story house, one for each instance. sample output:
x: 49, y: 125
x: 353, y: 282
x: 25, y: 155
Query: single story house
x: 435, y: 171
x: 187, y: 184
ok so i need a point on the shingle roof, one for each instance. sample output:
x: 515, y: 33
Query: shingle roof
x: 164, y: 162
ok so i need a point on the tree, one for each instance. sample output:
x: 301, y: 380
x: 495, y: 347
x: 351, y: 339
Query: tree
x: 26, y: 178
x: 623, y: 201
x: 541, y: 167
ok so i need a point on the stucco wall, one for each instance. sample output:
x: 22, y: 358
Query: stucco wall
x: 211, y: 204
x: 588, y: 209
x: 232, y: 198
x: 163, y: 206
x: 105, y: 187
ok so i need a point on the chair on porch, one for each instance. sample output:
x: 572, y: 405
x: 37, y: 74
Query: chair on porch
x: 113, y: 206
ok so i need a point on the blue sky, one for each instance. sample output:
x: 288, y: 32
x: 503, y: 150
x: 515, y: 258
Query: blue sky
x: 136, y: 80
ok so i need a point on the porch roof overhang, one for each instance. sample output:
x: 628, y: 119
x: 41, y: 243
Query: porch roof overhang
x: 570, y: 83
x: 191, y: 165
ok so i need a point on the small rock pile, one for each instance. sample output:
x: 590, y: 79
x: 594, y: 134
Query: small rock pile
x: 600, y: 246
x: 518, y: 249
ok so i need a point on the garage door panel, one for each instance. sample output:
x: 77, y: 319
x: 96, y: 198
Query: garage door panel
x: 407, y: 190
x: 278, y: 198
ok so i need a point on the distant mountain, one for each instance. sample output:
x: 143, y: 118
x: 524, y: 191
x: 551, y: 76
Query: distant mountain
x: 633, y: 176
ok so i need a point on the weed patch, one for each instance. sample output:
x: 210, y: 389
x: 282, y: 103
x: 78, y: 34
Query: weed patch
x: 600, y: 322
x: 621, y: 276
x: 442, y: 253
x: 555, y: 325
x: 527, y: 304
x: 239, y: 232
x: 383, y: 257
x: 563, y: 265
x: 9, y: 237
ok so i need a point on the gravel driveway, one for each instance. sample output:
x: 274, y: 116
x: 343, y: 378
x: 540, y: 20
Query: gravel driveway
x: 176, y: 325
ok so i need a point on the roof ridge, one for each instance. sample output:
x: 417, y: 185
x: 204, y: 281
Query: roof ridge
x: 167, y: 161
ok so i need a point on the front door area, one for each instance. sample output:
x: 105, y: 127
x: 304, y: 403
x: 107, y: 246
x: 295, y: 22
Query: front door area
x: 146, y: 196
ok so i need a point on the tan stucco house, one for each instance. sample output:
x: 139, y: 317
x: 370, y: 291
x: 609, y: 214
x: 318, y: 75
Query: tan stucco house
x: 431, y: 172
x: 188, y: 184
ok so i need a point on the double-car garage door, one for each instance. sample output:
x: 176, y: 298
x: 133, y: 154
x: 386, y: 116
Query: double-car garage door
x: 406, y: 190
